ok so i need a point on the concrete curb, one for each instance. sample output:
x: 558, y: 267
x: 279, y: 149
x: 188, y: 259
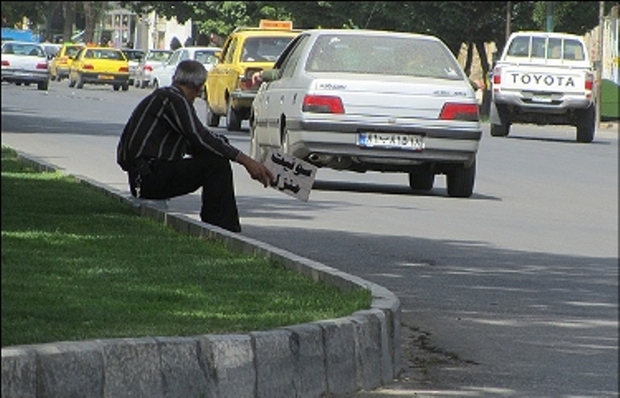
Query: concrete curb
x: 318, y: 359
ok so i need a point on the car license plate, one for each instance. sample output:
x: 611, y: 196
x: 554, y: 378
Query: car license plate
x: 106, y: 77
x: 409, y: 142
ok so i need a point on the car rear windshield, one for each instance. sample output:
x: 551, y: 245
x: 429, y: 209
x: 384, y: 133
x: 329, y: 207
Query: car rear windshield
x: 104, y: 54
x: 159, y: 55
x: 134, y: 55
x: 546, y: 48
x: 205, y: 56
x: 23, y: 49
x: 263, y: 49
x: 383, y: 55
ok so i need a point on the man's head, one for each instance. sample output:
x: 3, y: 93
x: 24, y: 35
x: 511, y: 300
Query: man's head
x: 191, y: 75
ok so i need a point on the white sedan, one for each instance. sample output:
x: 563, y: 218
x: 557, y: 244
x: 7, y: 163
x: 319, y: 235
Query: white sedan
x: 362, y: 100
x: 25, y: 62
x: 163, y: 76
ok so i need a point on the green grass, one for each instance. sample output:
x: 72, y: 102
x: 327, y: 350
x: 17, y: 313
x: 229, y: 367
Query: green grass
x: 78, y: 265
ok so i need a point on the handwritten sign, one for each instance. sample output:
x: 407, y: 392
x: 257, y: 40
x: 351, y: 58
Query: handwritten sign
x: 293, y: 176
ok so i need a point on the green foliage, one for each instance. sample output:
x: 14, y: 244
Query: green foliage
x: 13, y: 13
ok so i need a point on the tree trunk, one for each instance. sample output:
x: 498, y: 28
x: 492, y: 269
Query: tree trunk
x: 486, y: 93
x: 89, y: 21
x: 470, y: 55
x: 68, y: 12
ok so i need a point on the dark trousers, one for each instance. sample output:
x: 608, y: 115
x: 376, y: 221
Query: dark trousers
x: 167, y: 179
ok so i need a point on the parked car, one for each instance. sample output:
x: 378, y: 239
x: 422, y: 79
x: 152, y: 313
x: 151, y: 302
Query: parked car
x: 247, y: 50
x: 163, y: 76
x: 61, y: 63
x: 134, y: 57
x: 363, y: 100
x: 153, y: 59
x: 100, y: 65
x: 25, y: 63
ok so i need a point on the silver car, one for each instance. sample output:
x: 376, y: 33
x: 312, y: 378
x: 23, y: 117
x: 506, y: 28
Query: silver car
x: 133, y: 57
x: 25, y: 62
x: 361, y: 100
x: 153, y: 59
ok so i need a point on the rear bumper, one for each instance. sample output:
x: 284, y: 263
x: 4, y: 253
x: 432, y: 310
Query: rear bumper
x: 16, y: 75
x: 331, y: 147
x: 542, y: 102
x: 97, y: 78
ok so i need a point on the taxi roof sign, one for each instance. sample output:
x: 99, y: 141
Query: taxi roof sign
x: 271, y: 24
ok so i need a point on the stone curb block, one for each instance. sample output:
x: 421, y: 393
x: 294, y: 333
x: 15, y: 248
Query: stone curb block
x: 335, y: 356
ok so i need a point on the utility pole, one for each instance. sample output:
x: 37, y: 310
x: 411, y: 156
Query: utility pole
x: 599, y: 61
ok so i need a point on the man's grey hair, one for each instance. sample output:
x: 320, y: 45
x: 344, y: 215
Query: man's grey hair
x: 190, y: 73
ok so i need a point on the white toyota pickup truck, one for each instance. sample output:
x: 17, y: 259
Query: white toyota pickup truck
x: 543, y: 78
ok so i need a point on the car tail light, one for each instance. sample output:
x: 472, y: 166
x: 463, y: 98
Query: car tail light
x: 589, y: 84
x: 497, y: 76
x: 148, y: 68
x: 123, y: 69
x: 322, y: 104
x: 245, y: 81
x: 452, y: 111
x: 88, y: 67
x: 41, y: 65
x: 5, y: 63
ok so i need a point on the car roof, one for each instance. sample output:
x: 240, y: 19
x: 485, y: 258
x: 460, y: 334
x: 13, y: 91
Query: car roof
x: 20, y: 42
x: 364, y: 32
x: 545, y: 34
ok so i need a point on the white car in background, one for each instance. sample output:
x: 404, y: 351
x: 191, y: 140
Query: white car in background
x: 362, y: 100
x: 133, y: 57
x: 154, y: 59
x: 25, y: 63
x: 162, y: 77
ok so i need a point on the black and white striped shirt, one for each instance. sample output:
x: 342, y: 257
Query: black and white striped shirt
x: 165, y: 126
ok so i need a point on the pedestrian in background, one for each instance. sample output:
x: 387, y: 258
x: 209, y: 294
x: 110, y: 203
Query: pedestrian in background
x: 167, y: 151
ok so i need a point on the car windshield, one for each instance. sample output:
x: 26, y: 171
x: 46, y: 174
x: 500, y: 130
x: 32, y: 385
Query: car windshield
x: 383, y: 55
x: 263, y: 49
x: 23, y: 49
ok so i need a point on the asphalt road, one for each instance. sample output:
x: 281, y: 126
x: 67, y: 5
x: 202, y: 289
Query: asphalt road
x: 512, y: 292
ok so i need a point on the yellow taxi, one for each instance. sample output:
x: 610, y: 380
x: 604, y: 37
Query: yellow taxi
x: 61, y: 63
x: 247, y: 50
x: 100, y: 65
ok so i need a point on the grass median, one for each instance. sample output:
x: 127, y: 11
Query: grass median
x: 77, y: 265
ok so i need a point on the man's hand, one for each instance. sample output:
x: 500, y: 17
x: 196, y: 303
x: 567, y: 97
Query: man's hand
x: 257, y: 170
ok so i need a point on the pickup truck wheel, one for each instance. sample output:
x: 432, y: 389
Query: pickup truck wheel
x: 233, y: 122
x: 422, y: 181
x: 213, y: 120
x: 500, y: 130
x: 460, y: 181
x: 585, y: 124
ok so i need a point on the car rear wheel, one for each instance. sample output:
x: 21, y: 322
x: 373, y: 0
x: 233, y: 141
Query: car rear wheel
x: 144, y: 84
x: 460, y: 181
x: 233, y: 122
x: 256, y: 151
x: 116, y: 87
x: 43, y: 85
x: 586, y: 124
x: 71, y: 83
x: 423, y: 180
x: 125, y: 86
x: 80, y: 82
x: 213, y: 120
x: 500, y: 123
